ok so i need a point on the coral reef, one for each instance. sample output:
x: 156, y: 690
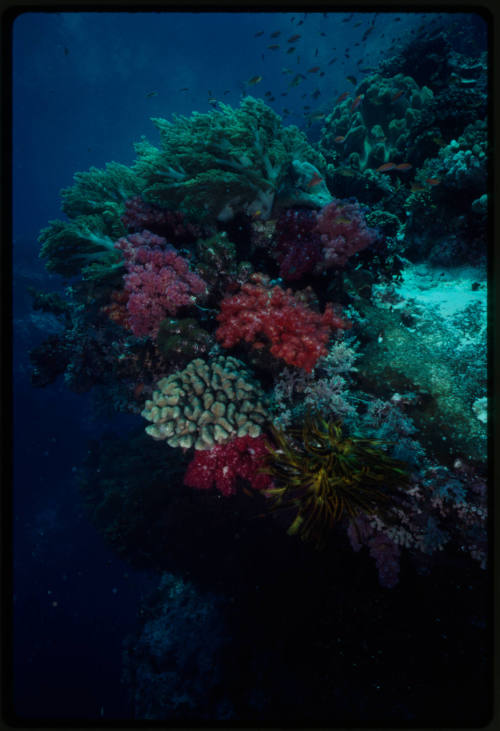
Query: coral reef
x: 259, y: 315
x: 206, y: 404
x: 229, y: 160
x: 224, y: 464
x: 325, y: 475
x: 158, y: 282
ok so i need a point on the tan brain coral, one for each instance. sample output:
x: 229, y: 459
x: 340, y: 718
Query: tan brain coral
x: 206, y: 404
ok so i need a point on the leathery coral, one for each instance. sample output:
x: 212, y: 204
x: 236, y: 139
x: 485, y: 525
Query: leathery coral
x: 262, y: 315
x: 206, y: 404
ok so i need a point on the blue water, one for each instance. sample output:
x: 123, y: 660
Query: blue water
x: 85, y: 86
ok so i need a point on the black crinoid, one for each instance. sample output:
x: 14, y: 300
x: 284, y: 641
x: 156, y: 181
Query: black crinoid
x: 324, y: 477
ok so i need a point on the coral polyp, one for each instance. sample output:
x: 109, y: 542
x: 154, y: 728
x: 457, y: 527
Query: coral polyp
x: 326, y: 476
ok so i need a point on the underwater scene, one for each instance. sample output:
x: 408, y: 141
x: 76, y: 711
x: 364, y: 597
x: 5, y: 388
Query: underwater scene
x: 250, y: 286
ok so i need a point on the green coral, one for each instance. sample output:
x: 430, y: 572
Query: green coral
x: 101, y: 192
x: 94, y: 205
x: 379, y: 129
x: 181, y: 340
x: 84, y: 245
x: 222, y: 162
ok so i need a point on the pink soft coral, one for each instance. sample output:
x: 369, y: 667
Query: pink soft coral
x: 343, y: 232
x: 224, y: 463
x: 262, y: 315
x: 158, y: 281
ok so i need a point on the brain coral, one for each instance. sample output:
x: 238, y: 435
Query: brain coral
x: 206, y: 404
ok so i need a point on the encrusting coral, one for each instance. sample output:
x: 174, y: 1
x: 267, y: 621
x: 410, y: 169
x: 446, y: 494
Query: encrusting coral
x: 206, y: 404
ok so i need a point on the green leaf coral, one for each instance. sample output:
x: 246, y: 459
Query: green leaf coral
x: 226, y: 161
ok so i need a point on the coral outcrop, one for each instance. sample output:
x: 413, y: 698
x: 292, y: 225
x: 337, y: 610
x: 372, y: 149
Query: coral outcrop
x: 206, y: 404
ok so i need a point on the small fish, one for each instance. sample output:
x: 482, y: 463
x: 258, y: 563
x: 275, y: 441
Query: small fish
x: 316, y: 52
x: 316, y: 93
x: 291, y: 49
x: 271, y: 99
x: 332, y: 61
x: 352, y: 79
x: 339, y: 138
x: 341, y: 219
x: 367, y: 33
x: 284, y: 70
x: 367, y: 69
x: 342, y: 97
x: 254, y: 80
x: 227, y: 91
x: 212, y: 101
x: 356, y: 25
x: 284, y: 93
x: 66, y: 51
x: 404, y: 166
x: 247, y: 492
x: 346, y: 172
x: 317, y: 116
x: 138, y: 390
x: 268, y: 93
x: 356, y: 102
x: 346, y: 20
x: 306, y: 106
x: 313, y: 70
x: 275, y: 34
x: 439, y: 141
x: 385, y: 167
x: 397, y: 95
x: 415, y: 187
x: 152, y: 93
x: 433, y: 181
x: 315, y: 180
x: 396, y: 19
x: 300, y: 22
x: 186, y: 88
x: 294, y: 38
x: 297, y: 79
x: 286, y: 111
x: 322, y: 34
x: 260, y: 33
x: 273, y: 47
x: 321, y: 73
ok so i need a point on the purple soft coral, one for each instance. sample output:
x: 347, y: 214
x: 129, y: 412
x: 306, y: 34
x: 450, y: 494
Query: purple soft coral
x: 343, y: 232
x: 158, y: 281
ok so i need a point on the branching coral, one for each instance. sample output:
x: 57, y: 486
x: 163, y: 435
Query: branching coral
x: 262, y: 315
x: 343, y: 232
x: 158, y: 282
x: 324, y: 476
x: 225, y: 463
x: 222, y: 162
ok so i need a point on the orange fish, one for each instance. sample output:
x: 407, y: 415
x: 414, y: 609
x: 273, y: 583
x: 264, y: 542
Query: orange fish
x: 404, y: 166
x: 356, y: 102
x: 342, y: 97
x: 138, y: 390
x: 313, y: 70
x: 415, y: 187
x: 340, y: 138
x: 294, y: 38
x: 315, y: 180
x: 273, y: 47
x: 433, y: 181
x: 385, y: 167
x: 397, y: 95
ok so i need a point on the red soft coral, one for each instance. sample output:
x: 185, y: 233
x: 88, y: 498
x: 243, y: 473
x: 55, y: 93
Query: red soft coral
x: 260, y: 315
x: 158, y: 281
x: 343, y: 233
x: 224, y: 463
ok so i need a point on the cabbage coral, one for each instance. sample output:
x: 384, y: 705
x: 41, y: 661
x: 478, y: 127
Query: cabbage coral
x: 226, y: 161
